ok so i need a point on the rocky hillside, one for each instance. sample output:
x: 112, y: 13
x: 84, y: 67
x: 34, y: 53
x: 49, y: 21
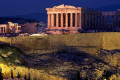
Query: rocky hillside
x: 93, y: 56
x: 104, y: 65
x: 11, y: 55
x: 13, y: 65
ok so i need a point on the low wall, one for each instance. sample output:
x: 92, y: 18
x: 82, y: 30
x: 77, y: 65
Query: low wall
x: 87, y: 42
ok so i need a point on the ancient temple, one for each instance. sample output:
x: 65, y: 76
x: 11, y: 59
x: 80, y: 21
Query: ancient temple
x: 64, y: 18
x: 10, y: 28
x: 69, y: 19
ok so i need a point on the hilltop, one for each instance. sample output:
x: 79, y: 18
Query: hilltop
x: 64, y: 64
x: 41, y: 17
x: 11, y: 56
x: 4, y: 20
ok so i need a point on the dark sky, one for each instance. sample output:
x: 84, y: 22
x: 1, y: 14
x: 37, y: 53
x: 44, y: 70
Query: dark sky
x: 19, y: 7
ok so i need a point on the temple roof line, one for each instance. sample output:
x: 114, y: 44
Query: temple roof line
x: 65, y: 7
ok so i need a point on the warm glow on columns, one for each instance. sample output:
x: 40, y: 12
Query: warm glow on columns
x: 48, y: 20
x: 80, y: 22
x: 66, y: 20
x: 75, y: 19
x: 52, y: 20
x: 57, y: 20
x: 71, y: 19
x: 61, y: 19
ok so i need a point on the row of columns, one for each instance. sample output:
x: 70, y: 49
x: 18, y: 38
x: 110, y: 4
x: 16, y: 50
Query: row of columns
x: 2, y: 29
x: 111, y: 20
x: 89, y: 20
x: 51, y: 19
x: 99, y: 20
x: 85, y: 20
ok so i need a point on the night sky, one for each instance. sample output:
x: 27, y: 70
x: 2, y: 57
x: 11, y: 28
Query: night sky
x: 21, y: 7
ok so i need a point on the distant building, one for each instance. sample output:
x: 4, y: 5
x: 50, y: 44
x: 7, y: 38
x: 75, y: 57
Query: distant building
x: 10, y: 28
x: 32, y: 27
x: 66, y: 18
x: 29, y: 28
x: 118, y: 10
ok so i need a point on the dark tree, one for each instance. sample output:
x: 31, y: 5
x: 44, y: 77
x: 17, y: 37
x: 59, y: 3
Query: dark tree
x: 25, y: 77
x: 107, y: 74
x: 11, y: 73
x: 29, y: 77
x: 1, y: 74
x: 77, y: 77
x: 18, y: 75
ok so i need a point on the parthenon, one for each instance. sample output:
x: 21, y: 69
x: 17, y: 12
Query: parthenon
x: 66, y: 18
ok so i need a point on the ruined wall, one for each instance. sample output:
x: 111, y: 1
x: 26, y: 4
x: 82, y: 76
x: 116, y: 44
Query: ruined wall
x: 87, y: 42
x: 111, y: 41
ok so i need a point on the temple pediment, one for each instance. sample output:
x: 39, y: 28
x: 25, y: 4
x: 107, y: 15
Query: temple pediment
x: 64, y: 6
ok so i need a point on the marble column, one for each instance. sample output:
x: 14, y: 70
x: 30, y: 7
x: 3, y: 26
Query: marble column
x: 86, y: 18
x: 103, y: 20
x: 80, y: 21
x: 95, y: 19
x: 3, y: 29
x: 16, y: 29
x: 76, y: 18
x: 98, y: 22
x: 52, y: 20
x: 100, y: 19
x: 108, y: 20
x: 48, y: 20
x: 66, y: 20
x: 71, y: 21
x: 116, y: 21
x: 57, y: 20
x: 89, y: 19
x: 0, y: 30
x: 112, y: 21
x: 61, y: 19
